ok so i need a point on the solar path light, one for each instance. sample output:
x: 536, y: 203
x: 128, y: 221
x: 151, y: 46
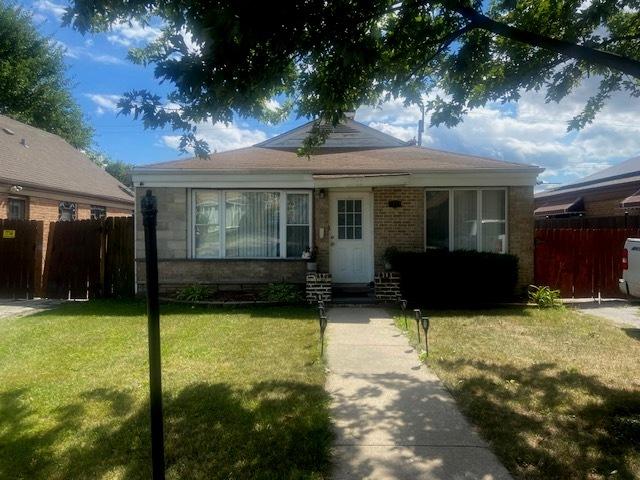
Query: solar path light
x: 425, y: 326
x: 403, y: 306
x: 418, y: 316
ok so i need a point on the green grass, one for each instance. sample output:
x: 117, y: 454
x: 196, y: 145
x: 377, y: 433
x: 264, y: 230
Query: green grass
x: 556, y: 393
x: 243, y: 394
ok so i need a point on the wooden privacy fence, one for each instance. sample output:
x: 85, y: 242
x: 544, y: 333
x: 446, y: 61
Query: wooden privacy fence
x: 581, y: 262
x: 90, y: 259
x: 20, y: 258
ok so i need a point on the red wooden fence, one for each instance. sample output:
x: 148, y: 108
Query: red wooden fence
x: 581, y: 262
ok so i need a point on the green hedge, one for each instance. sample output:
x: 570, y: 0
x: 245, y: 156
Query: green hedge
x: 443, y: 278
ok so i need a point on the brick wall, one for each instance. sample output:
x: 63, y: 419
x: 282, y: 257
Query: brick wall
x: 172, y: 222
x: 233, y: 274
x: 401, y: 227
x: 321, y: 220
x: 521, y: 225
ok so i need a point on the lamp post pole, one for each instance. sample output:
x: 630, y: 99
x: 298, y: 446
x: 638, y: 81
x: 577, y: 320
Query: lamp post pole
x: 149, y: 216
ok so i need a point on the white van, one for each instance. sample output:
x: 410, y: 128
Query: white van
x: 630, y: 281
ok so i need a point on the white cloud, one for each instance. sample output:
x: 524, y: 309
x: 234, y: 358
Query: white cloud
x: 52, y: 8
x: 221, y: 137
x: 530, y: 131
x: 78, y: 52
x: 104, y: 102
x: 132, y: 33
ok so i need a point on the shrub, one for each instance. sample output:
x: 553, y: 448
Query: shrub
x: 459, y: 278
x: 544, y: 297
x: 193, y: 293
x: 281, y: 293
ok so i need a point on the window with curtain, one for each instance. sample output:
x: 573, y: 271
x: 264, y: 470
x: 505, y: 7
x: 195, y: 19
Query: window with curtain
x: 494, y: 222
x: 250, y: 224
x: 477, y: 220
x: 207, y: 224
x: 66, y: 211
x: 437, y: 211
x: 16, y: 208
x: 465, y: 220
x: 297, y: 224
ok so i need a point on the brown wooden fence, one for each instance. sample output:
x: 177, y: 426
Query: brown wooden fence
x: 90, y: 259
x: 581, y: 262
x: 20, y: 258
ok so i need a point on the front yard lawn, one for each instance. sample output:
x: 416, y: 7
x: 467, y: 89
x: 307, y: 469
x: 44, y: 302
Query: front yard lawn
x: 555, y: 392
x: 243, y: 394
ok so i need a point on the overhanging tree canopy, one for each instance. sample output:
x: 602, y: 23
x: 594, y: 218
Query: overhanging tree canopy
x: 33, y: 84
x: 229, y: 57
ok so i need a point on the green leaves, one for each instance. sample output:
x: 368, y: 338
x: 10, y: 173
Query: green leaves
x: 33, y: 84
x: 226, y: 59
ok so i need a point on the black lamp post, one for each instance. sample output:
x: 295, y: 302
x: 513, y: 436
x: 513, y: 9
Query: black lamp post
x: 149, y: 210
x: 425, y: 326
x: 322, y: 318
x: 418, y: 316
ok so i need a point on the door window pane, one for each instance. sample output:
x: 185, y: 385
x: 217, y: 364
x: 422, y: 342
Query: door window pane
x: 350, y: 219
x: 465, y: 220
x: 17, y: 209
x: 297, y: 224
x: 252, y: 224
x: 437, y: 219
x: 207, y: 226
x: 493, y: 221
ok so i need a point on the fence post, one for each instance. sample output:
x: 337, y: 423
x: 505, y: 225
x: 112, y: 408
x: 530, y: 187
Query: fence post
x: 149, y: 217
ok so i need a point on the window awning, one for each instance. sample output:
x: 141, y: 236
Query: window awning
x: 564, y: 208
x: 632, y: 201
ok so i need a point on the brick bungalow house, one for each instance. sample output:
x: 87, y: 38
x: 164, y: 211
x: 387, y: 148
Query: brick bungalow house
x: 246, y: 216
x: 612, y: 192
x: 42, y: 177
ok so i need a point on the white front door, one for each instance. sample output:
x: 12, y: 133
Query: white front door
x: 351, y: 237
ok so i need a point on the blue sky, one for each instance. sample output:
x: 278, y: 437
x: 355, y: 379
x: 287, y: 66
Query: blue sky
x: 529, y: 132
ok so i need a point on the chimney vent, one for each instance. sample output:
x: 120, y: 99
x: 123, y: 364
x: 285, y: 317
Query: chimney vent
x: 23, y: 142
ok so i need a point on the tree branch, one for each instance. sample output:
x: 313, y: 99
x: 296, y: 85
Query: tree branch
x: 573, y: 50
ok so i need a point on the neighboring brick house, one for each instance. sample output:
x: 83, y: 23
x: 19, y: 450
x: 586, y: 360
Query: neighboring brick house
x: 246, y: 216
x: 42, y: 177
x: 612, y: 192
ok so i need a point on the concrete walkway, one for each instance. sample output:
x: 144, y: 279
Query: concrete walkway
x: 393, y: 417
x: 20, y: 308
x: 620, y: 312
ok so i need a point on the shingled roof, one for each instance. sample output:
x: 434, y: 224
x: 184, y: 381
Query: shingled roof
x: 351, y: 148
x: 38, y: 159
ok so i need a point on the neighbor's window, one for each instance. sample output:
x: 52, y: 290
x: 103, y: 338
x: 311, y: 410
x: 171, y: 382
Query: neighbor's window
x: 66, y: 211
x: 466, y: 219
x: 17, y: 209
x: 250, y: 224
x: 98, y: 212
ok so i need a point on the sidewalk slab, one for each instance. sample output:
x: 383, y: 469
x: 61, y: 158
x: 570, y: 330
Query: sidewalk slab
x: 393, y: 417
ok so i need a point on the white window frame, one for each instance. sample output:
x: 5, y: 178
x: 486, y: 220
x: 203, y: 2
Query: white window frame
x: 282, y: 205
x: 478, y: 190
